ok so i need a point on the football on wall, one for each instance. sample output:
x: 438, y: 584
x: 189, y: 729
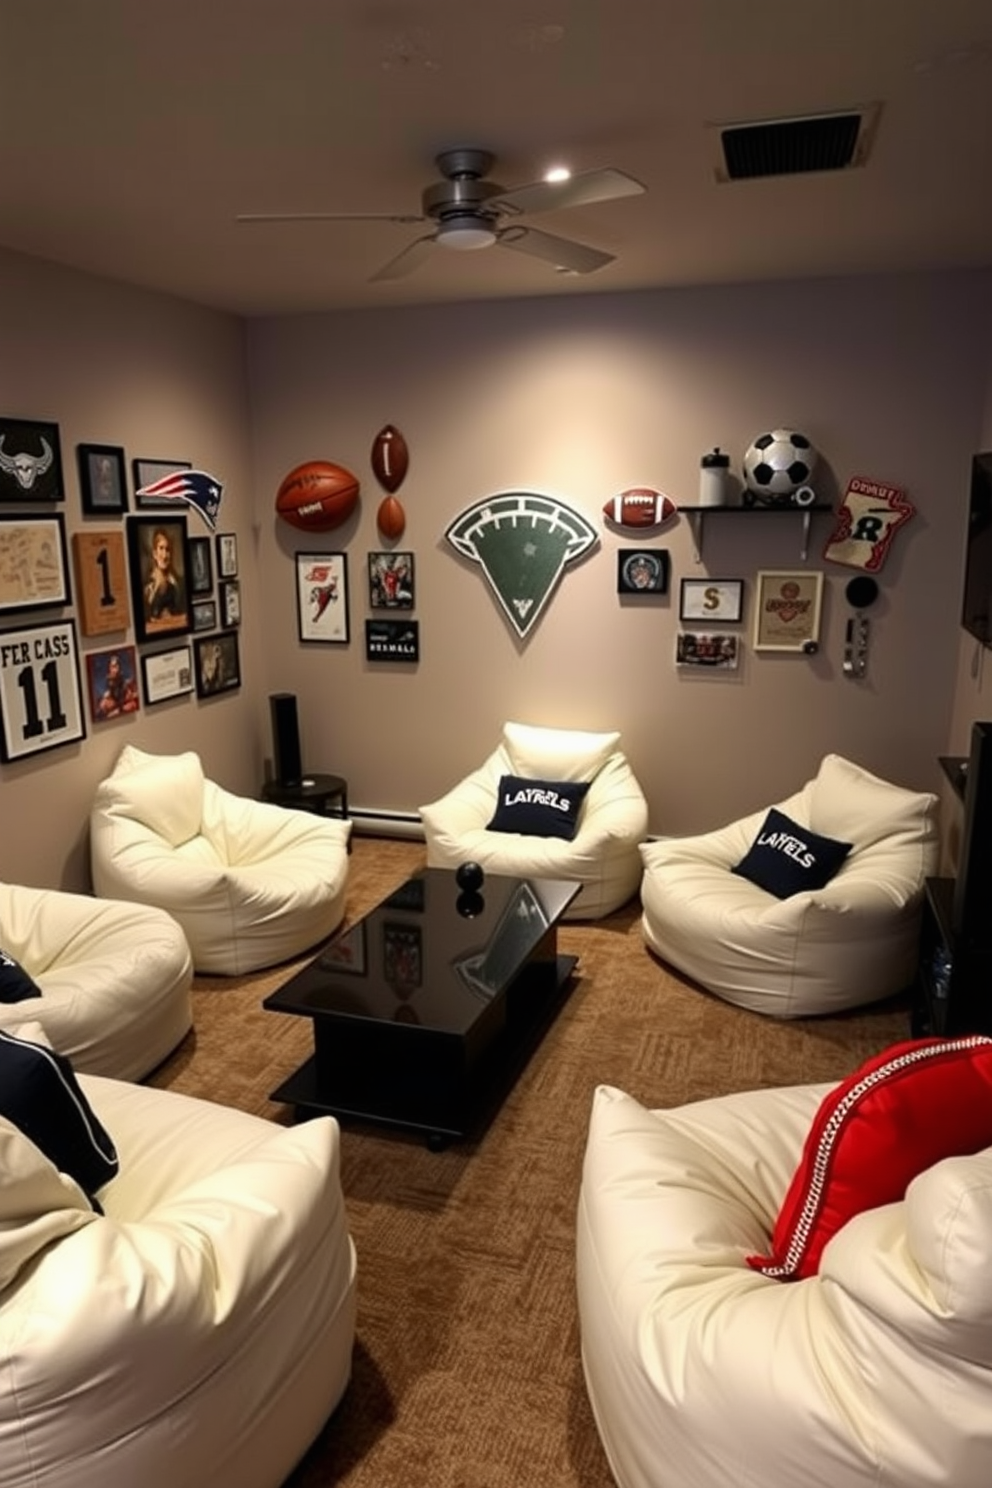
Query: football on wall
x: 778, y: 468
x: 317, y: 496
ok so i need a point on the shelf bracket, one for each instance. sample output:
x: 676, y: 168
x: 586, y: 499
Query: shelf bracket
x: 696, y: 523
x: 804, y: 548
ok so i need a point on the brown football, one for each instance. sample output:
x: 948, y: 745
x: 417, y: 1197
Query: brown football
x: 390, y: 458
x: 317, y: 496
x: 391, y: 517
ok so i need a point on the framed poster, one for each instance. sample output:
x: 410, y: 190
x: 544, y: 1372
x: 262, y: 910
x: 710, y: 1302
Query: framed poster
x: 322, y: 596
x: 642, y: 571
x: 30, y: 461
x: 787, y: 610
x: 227, y: 555
x: 34, y: 574
x: 715, y: 601
x: 217, y: 663
x: 204, y: 614
x: 391, y: 581
x: 102, y: 479
x: 403, y: 955
x: 392, y: 640
x: 157, y: 556
x: 201, y: 566
x: 101, y: 581
x: 113, y: 682
x: 229, y: 592
x: 147, y: 472
x: 167, y: 674
x: 346, y: 952
x: 695, y: 648
x: 41, y: 703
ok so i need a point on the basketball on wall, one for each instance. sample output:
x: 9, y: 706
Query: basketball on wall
x: 317, y: 496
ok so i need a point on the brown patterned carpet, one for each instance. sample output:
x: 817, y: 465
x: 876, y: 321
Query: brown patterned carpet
x: 466, y: 1371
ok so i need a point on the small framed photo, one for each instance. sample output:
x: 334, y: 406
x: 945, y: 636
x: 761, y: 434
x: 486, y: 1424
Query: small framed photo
x: 392, y: 640
x: 102, y: 479
x: 113, y: 683
x: 227, y: 555
x: 101, y: 581
x: 204, y: 614
x: 218, y: 663
x: 158, y: 560
x: 230, y: 603
x: 30, y: 461
x: 167, y: 674
x: 391, y: 581
x: 322, y: 596
x: 41, y: 703
x: 201, y: 566
x: 402, y: 956
x: 346, y: 952
x: 714, y: 601
x: 147, y: 473
x: 787, y: 610
x: 34, y: 573
x: 642, y: 570
x: 707, y: 649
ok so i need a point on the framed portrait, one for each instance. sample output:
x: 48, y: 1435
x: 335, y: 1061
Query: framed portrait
x: 113, y: 683
x: 227, y: 555
x: 787, y: 610
x: 102, y: 479
x: 145, y: 473
x: 167, y: 674
x: 392, y: 640
x: 34, y: 574
x: 217, y: 663
x: 707, y: 649
x: 642, y: 570
x: 714, y: 601
x: 229, y: 593
x: 322, y: 596
x: 201, y: 566
x: 158, y: 559
x: 391, y: 581
x: 101, y: 581
x: 41, y: 702
x: 30, y: 461
x: 204, y: 614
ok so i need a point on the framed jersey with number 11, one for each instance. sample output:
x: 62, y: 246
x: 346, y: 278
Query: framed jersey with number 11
x: 41, y: 702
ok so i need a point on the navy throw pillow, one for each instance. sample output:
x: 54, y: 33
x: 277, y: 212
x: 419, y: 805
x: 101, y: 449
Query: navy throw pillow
x: 15, y: 984
x: 785, y: 858
x: 538, y: 808
x: 40, y: 1095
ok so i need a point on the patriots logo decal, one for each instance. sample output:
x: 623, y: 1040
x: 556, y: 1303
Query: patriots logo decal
x: 193, y: 488
x: 523, y: 542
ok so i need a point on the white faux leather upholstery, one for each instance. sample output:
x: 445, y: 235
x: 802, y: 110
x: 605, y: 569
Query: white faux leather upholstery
x: 114, y: 977
x: 198, y: 1334
x: 875, y: 1373
x: 841, y: 946
x: 603, y: 855
x: 252, y: 884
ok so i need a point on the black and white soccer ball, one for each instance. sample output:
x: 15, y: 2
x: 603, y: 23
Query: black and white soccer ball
x: 777, y: 466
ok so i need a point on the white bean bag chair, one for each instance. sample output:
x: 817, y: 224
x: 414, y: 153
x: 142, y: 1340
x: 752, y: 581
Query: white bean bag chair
x: 602, y: 856
x: 876, y: 1372
x: 198, y: 1332
x: 251, y: 884
x: 817, y: 951
x: 114, y: 977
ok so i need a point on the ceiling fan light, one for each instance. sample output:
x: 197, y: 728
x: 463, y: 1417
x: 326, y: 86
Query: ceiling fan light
x: 466, y: 234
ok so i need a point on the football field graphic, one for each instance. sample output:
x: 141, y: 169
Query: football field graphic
x: 522, y: 541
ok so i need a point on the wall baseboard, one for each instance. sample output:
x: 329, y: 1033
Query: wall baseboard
x: 367, y: 821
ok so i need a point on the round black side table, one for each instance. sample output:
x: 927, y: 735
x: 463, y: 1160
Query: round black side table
x: 324, y: 795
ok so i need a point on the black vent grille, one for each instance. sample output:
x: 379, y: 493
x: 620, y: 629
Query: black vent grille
x: 789, y: 147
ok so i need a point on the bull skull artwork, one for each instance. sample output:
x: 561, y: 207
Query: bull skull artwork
x: 25, y: 468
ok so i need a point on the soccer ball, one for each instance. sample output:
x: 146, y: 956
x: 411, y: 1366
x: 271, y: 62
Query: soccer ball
x: 776, y: 466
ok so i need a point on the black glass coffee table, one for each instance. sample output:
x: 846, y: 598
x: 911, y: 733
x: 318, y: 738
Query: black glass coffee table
x: 425, y: 1011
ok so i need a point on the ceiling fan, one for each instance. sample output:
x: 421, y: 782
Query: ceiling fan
x: 468, y: 212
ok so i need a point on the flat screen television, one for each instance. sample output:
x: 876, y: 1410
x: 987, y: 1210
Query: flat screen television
x: 976, y: 608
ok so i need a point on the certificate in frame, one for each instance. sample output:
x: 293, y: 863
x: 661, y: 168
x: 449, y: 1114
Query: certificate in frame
x: 34, y: 574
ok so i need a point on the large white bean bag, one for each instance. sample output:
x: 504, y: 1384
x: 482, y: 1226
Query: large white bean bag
x: 114, y: 977
x: 849, y: 943
x: 251, y: 884
x: 200, y: 1331
x: 703, y: 1373
x: 603, y: 855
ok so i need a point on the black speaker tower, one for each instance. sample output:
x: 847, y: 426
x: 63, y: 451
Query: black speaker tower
x: 286, y: 759
x: 972, y: 912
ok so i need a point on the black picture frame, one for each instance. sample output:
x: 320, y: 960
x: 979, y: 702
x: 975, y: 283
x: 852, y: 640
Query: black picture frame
x: 102, y: 479
x: 227, y: 555
x: 392, y: 640
x: 145, y: 472
x: 217, y: 663
x: 391, y: 581
x: 322, y: 598
x: 642, y: 570
x: 204, y: 614
x: 41, y: 701
x: 712, y: 601
x: 167, y: 613
x: 167, y: 674
x: 34, y: 567
x: 229, y: 596
x: 30, y: 461
x: 201, y: 566
x: 112, y: 683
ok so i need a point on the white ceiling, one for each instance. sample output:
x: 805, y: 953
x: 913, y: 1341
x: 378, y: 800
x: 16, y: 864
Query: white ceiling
x: 132, y: 132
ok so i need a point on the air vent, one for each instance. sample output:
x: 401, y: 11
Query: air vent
x: 792, y: 147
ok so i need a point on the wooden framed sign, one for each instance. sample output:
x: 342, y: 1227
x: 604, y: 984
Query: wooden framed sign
x: 101, y: 582
x: 40, y: 698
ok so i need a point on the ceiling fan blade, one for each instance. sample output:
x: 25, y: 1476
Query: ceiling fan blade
x: 327, y: 217
x: 564, y: 253
x: 582, y: 190
x: 413, y: 255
